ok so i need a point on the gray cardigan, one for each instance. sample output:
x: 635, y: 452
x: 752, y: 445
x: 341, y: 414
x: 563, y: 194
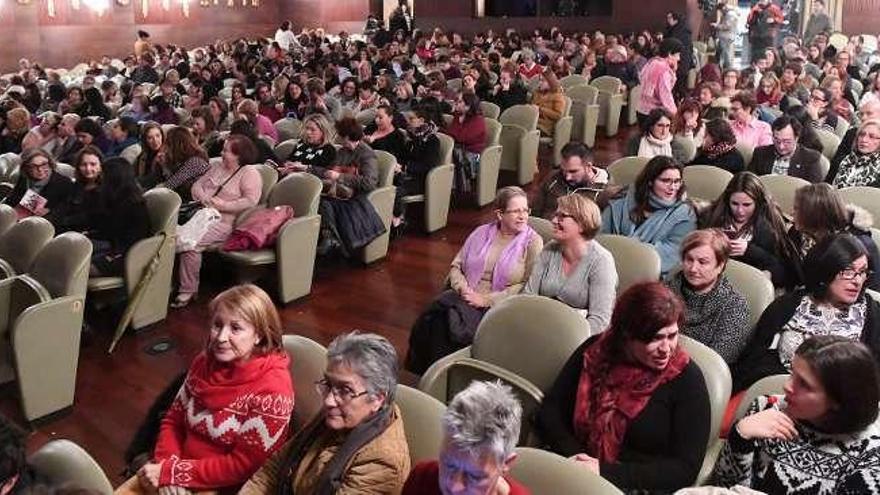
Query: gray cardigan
x: 591, y: 286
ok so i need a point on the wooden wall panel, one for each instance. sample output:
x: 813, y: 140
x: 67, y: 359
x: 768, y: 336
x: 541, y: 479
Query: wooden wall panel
x: 861, y: 16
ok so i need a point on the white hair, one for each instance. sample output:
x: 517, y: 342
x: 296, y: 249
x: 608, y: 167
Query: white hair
x: 485, y: 417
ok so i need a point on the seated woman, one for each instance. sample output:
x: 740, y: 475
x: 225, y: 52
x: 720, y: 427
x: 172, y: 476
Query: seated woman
x: 249, y: 111
x: 357, y: 443
x: 630, y: 404
x: 656, y: 138
x: 468, y: 131
x: 241, y: 378
x: 12, y: 134
x: 494, y: 263
x: 861, y: 167
x: 204, y: 128
x: 423, y: 154
x: 118, y: 219
x: 687, y: 123
x: 573, y: 268
x: 386, y: 136
x: 220, y: 112
x: 550, y: 101
x: 654, y: 210
x: 481, y: 429
x: 755, y: 225
x: 153, y: 155
x: 295, y: 100
x: 821, y: 437
x: 719, y: 148
x: 716, y: 313
x: 244, y: 128
x: 139, y: 109
x: 315, y: 147
x: 833, y: 302
x: 819, y: 213
x: 85, y: 196
x: 230, y: 189
x: 40, y: 189
x: 185, y: 162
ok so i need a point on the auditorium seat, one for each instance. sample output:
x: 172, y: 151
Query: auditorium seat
x: 584, y: 113
x: 623, y: 171
x: 490, y: 164
x: 64, y: 463
x: 490, y: 110
x: 8, y: 218
x: 635, y: 261
x: 610, y: 103
x: 544, y: 472
x: 782, y: 188
x: 308, y: 360
x: 519, y: 141
x: 21, y: 243
x: 382, y: 199
x: 438, y: 188
x: 422, y: 423
x: 705, y: 182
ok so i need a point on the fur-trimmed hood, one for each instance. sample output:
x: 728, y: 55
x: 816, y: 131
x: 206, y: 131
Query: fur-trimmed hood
x: 859, y: 217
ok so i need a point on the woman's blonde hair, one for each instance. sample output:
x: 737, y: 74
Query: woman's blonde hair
x: 256, y: 307
x: 714, y: 238
x: 583, y: 211
x: 505, y: 194
x: 323, y: 123
x: 18, y: 120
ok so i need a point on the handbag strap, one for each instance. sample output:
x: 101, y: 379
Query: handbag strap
x: 227, y: 180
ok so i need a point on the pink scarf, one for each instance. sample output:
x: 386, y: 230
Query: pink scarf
x: 476, y: 250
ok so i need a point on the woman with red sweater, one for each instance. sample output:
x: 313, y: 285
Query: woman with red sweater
x: 233, y: 409
x: 468, y: 130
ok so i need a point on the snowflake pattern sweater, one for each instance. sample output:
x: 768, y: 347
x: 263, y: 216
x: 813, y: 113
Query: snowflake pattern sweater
x: 225, y: 422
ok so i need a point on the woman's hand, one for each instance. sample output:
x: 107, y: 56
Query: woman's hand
x: 588, y: 462
x: 173, y: 490
x: 769, y: 424
x: 738, y: 247
x: 148, y: 475
x: 475, y: 299
x: 332, y: 175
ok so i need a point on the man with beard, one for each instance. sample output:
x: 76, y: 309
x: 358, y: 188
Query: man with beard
x: 576, y: 175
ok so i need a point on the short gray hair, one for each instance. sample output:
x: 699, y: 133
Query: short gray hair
x: 484, y: 416
x: 369, y: 356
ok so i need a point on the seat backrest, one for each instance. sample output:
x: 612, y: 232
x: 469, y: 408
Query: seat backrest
x: 300, y: 190
x: 585, y: 93
x: 493, y: 132
x: 454, y: 84
x: 769, y: 385
x: 66, y: 170
x: 608, y: 84
x: 543, y: 227
x: 162, y: 206
x: 8, y: 218
x: 566, y: 109
x: 490, y: 110
x: 20, y: 244
x: 573, y: 80
x: 525, y: 116
x: 308, y: 360
x: 624, y: 171
x: 688, y: 147
x: 288, y: 129
x: 746, y: 151
x: 446, y: 145
x: 366, y: 117
x: 753, y: 285
x: 268, y: 176
x: 62, y: 266
x: 841, y: 128
x: 635, y: 261
x: 830, y: 142
x: 864, y: 196
x: 63, y: 462
x: 705, y: 181
x: 782, y: 189
x: 716, y: 374
x: 824, y: 166
x: 544, y: 472
x: 285, y: 148
x: 422, y: 422
x: 386, y: 163
x: 522, y: 322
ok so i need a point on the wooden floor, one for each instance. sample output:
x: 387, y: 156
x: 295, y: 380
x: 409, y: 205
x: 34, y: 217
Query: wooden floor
x: 114, y: 391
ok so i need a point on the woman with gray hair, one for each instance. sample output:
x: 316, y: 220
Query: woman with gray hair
x: 481, y: 427
x: 357, y: 444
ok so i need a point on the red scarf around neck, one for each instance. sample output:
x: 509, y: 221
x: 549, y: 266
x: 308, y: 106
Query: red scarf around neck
x: 610, y: 395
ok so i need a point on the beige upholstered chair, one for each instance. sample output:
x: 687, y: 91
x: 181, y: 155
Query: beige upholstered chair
x: 544, y: 472
x: 296, y: 246
x: 66, y: 170
x: 308, y: 360
x: 422, y: 423
x: 64, y: 463
x: 382, y: 199
x: 490, y: 110
x: 624, y: 171
x: 562, y: 132
x: 41, y: 317
x: 285, y: 148
x: 454, y: 84
x: 366, y: 117
x: 156, y: 254
x: 490, y: 164
x: 841, y: 128
x: 131, y: 153
x: 688, y: 146
x: 705, y: 182
x: 610, y: 103
x: 508, y: 328
x: 519, y: 141
x: 632, y: 104
x: 718, y: 384
x: 635, y: 261
x: 288, y: 129
x: 769, y: 385
x: 438, y: 188
x: 746, y: 151
x: 573, y: 80
x: 782, y: 189
x: 543, y: 227
x: 753, y: 285
x: 830, y: 142
x: 20, y: 245
x: 268, y: 176
x: 584, y: 112
x: 8, y: 218
x: 866, y: 197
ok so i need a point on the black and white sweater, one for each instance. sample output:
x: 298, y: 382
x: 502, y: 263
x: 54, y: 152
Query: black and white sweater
x: 814, y: 463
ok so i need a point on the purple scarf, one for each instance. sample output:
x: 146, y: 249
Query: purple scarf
x: 476, y: 250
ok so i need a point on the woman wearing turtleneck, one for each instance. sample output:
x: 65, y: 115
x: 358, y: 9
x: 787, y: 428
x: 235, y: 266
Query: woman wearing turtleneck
x: 656, y: 138
x: 719, y: 148
x: 716, y: 314
x: 654, y: 210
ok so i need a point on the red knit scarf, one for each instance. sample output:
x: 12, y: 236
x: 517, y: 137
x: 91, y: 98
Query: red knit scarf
x: 610, y: 395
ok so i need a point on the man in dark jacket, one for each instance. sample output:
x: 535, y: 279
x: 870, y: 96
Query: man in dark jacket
x: 576, y: 175
x: 785, y: 156
x: 677, y: 28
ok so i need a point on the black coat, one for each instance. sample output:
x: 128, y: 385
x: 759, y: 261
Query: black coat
x: 804, y: 163
x: 846, y: 146
x: 762, y: 254
x: 731, y: 161
x: 57, y: 193
x: 759, y: 361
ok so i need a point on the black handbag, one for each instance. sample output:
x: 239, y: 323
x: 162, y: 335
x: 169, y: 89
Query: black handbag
x: 189, y: 209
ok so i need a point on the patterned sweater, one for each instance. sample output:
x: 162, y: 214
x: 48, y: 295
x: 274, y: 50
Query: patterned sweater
x: 225, y: 422
x: 815, y: 463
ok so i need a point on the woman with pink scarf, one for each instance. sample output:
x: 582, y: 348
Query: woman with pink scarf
x: 494, y: 263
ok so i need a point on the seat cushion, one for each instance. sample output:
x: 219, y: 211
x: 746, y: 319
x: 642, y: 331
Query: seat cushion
x: 105, y: 283
x: 258, y: 257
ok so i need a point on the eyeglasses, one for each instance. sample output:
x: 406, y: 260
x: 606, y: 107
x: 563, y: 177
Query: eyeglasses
x: 39, y: 166
x: 342, y: 394
x: 851, y: 274
x: 817, y: 98
x: 521, y: 211
x: 561, y: 216
x: 666, y: 181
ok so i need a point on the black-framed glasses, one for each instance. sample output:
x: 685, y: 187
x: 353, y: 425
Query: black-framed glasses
x: 342, y: 393
x: 521, y: 211
x: 561, y: 216
x: 851, y: 273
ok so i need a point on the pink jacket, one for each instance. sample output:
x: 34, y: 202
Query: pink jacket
x: 240, y: 193
x: 657, y: 80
